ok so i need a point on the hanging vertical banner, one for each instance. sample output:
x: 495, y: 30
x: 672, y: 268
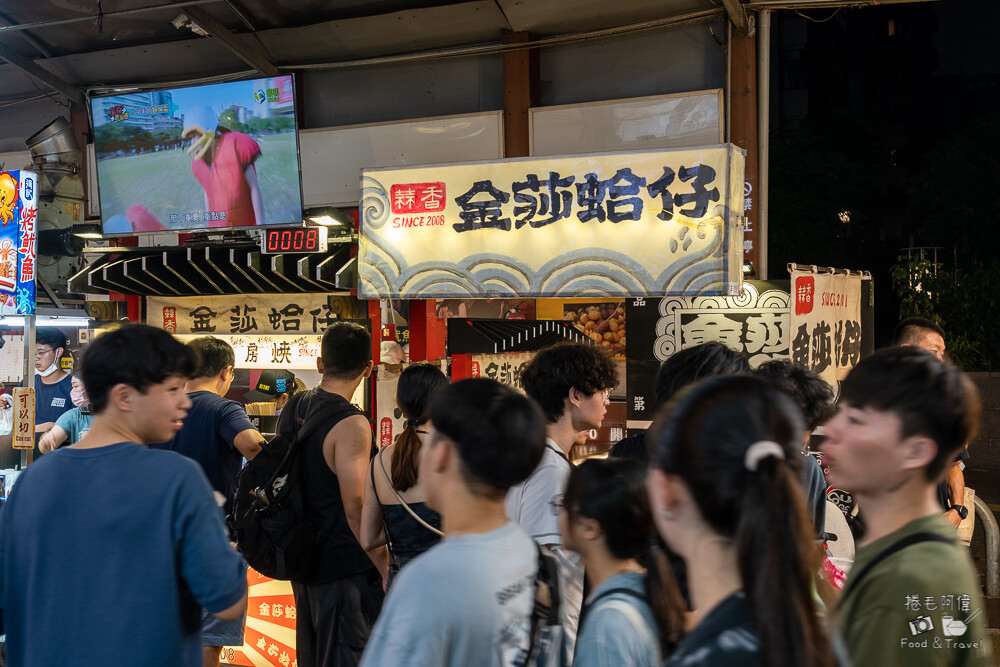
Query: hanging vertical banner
x: 24, y: 418
x: 826, y: 322
x: 18, y: 239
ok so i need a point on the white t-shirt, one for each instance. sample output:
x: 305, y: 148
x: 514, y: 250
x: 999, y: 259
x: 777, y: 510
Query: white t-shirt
x: 466, y: 601
x: 529, y: 504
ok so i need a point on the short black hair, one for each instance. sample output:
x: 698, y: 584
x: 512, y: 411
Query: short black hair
x: 557, y: 369
x: 213, y: 355
x: 929, y: 397
x: 499, y: 433
x: 695, y: 363
x: 136, y: 355
x: 812, y: 394
x: 346, y: 350
x: 909, y: 331
x: 613, y: 492
x: 52, y: 337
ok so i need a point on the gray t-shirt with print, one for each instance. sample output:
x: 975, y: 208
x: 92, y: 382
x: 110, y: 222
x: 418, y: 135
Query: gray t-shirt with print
x: 466, y: 601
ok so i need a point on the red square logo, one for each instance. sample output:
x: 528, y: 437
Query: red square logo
x: 417, y: 197
x: 804, y: 294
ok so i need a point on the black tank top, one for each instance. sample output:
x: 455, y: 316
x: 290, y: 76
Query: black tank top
x: 341, y: 555
x: 405, y: 537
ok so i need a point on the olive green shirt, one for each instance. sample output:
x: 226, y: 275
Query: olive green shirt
x: 910, y: 609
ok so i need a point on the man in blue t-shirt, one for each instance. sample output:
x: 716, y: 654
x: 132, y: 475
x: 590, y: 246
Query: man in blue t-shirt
x: 217, y: 434
x: 53, y: 385
x: 108, y: 548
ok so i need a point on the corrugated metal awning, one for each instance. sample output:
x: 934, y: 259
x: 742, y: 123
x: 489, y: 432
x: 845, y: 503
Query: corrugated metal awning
x: 207, y: 270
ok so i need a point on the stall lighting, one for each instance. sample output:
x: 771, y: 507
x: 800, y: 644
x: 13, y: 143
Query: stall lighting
x: 329, y: 216
x: 326, y: 221
x: 87, y: 231
x: 54, y: 321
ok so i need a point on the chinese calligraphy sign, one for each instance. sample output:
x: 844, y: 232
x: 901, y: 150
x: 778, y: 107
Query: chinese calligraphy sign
x: 18, y: 241
x: 826, y: 323
x: 755, y: 323
x: 627, y: 224
x: 270, y: 351
x: 288, y: 314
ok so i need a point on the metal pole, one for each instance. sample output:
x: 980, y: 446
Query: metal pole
x: 985, y: 514
x: 763, y: 133
x: 28, y: 369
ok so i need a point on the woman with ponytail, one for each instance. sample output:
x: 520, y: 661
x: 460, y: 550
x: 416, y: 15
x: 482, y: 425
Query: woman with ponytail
x: 725, y: 494
x: 632, y: 617
x: 394, y: 513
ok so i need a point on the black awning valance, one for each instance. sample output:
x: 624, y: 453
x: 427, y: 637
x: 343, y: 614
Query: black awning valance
x: 223, y: 269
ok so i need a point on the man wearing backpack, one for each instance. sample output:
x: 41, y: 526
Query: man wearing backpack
x: 468, y: 600
x: 912, y: 596
x: 108, y: 549
x: 572, y: 383
x: 338, y: 601
x: 217, y: 434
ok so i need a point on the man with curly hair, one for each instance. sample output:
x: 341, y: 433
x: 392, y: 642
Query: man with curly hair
x: 572, y: 383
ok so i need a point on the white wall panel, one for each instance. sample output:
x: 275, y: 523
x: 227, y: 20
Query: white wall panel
x: 663, y: 121
x: 332, y: 158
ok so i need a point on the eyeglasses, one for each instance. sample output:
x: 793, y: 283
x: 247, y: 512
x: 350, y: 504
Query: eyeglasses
x: 558, y: 504
x: 41, y: 353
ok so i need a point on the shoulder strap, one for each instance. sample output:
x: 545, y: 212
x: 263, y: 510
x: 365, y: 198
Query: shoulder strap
x: 633, y: 615
x: 611, y: 591
x: 916, y: 538
x: 402, y: 502
x: 312, y: 425
x: 545, y: 610
x: 371, y: 473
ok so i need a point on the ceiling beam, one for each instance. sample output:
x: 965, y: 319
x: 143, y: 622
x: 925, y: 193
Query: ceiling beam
x: 214, y: 27
x: 738, y: 15
x: 51, y: 80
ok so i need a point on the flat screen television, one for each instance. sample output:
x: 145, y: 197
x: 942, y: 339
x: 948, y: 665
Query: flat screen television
x: 200, y: 158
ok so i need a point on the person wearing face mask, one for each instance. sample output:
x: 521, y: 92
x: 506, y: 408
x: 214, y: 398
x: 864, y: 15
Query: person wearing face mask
x: 52, y: 384
x: 71, y: 425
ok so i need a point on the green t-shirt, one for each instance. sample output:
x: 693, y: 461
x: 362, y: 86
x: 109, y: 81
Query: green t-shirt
x: 910, y: 609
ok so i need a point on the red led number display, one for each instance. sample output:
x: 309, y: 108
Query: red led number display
x: 292, y: 240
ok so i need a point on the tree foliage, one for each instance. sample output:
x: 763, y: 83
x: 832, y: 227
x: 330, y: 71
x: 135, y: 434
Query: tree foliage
x: 964, y: 302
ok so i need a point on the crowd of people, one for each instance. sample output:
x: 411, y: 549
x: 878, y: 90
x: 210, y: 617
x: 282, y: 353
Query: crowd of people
x: 475, y: 540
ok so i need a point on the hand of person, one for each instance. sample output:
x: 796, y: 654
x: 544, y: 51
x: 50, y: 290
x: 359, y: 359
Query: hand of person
x: 201, y: 140
x: 46, y: 443
x: 952, y: 515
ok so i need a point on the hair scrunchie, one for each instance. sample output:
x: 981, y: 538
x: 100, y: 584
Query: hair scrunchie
x: 759, y: 451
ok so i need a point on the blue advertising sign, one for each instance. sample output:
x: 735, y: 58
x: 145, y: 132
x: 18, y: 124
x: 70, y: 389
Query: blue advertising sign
x: 18, y: 241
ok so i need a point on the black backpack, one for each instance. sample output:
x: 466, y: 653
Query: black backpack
x: 268, y: 520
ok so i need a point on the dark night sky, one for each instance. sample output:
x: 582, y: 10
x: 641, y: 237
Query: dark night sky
x: 891, y: 112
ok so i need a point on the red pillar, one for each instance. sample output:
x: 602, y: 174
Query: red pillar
x: 427, y: 331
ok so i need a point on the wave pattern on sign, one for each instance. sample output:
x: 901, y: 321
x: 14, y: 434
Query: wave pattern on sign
x: 593, y: 271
